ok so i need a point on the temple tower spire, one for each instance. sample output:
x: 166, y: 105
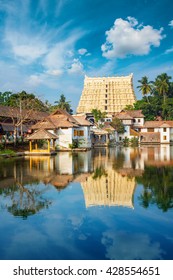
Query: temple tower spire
x: 108, y: 94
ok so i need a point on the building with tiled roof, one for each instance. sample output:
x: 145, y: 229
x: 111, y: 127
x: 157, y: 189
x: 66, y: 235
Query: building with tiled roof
x: 157, y: 131
x: 67, y: 128
x: 10, y: 117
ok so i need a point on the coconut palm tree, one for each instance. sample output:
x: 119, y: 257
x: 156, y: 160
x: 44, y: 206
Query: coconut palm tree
x: 63, y: 104
x: 162, y: 85
x: 145, y: 87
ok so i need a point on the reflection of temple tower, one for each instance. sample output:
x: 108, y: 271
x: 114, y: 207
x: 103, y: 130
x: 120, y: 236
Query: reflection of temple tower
x: 109, y: 94
x: 111, y: 189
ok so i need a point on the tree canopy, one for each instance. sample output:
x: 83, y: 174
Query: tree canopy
x: 157, y: 101
x: 63, y: 104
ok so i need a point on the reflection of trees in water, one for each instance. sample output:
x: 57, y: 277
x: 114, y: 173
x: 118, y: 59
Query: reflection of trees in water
x: 158, y: 187
x: 119, y: 161
x: 25, y: 200
x: 99, y: 172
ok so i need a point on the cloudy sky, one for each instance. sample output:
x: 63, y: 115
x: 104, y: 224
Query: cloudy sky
x: 47, y: 46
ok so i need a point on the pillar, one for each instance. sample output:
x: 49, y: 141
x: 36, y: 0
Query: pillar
x: 54, y: 144
x: 36, y: 145
x: 48, y: 148
x: 30, y: 145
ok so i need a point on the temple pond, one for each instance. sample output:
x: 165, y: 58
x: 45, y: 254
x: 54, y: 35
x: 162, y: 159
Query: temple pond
x: 102, y: 204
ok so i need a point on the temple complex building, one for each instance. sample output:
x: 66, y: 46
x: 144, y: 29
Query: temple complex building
x: 108, y: 94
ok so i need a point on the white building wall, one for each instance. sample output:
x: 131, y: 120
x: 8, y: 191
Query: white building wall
x: 165, y: 135
x: 64, y: 137
x: 138, y: 122
x: 85, y: 140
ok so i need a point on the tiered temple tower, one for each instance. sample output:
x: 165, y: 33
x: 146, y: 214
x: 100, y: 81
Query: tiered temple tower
x: 108, y: 94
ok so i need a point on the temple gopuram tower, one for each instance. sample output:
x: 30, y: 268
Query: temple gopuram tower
x: 108, y: 94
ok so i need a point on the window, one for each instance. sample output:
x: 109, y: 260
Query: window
x: 139, y: 120
x: 75, y: 132
x: 106, y: 101
x: 164, y: 138
x: 151, y: 129
x: 80, y: 133
x: 106, y: 107
x: 106, y: 95
x: 106, y: 90
x: 164, y: 130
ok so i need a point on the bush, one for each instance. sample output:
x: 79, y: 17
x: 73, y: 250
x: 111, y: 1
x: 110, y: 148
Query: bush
x: 134, y: 142
x: 74, y: 145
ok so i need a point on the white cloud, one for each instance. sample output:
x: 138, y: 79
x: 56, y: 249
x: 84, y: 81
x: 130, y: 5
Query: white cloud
x: 76, y: 67
x: 82, y: 51
x: 171, y: 23
x: 34, y: 80
x: 127, y: 37
x: 169, y: 50
x: 60, y: 55
x: 55, y: 72
x: 25, y: 47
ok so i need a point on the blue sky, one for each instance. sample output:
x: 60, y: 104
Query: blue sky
x: 47, y: 46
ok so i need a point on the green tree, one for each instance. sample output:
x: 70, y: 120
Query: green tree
x: 162, y: 85
x: 63, y: 104
x: 4, y: 96
x: 145, y: 87
x: 98, y: 116
x: 118, y: 125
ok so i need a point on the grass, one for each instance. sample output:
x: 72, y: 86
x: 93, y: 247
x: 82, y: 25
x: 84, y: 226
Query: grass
x: 7, y: 152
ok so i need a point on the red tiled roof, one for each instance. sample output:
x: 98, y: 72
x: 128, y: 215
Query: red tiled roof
x: 7, y: 111
x: 42, y: 134
x: 61, y: 118
x: 150, y: 137
x: 133, y: 132
x: 158, y: 124
x: 135, y: 113
x: 82, y: 120
x: 123, y: 116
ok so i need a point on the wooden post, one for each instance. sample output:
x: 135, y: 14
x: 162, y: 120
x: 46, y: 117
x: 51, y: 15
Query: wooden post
x: 48, y: 146
x: 36, y: 145
x: 30, y: 145
x: 54, y: 144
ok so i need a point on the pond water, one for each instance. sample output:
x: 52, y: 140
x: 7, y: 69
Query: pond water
x: 102, y: 204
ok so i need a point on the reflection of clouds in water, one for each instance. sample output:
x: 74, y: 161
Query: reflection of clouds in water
x: 27, y: 242
x: 82, y: 237
x: 76, y: 221
x: 124, y: 245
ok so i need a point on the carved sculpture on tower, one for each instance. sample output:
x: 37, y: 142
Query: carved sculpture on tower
x: 107, y: 94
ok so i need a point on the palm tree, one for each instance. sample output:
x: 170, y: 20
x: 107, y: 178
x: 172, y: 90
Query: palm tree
x: 162, y: 85
x: 63, y: 104
x: 145, y: 87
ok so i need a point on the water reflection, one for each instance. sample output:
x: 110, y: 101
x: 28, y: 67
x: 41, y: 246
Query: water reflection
x: 108, y: 177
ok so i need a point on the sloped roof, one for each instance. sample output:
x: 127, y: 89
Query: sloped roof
x: 61, y: 118
x: 150, y: 137
x: 81, y: 119
x: 123, y: 116
x: 135, y: 113
x: 133, y: 132
x: 42, y: 134
x: 10, y: 127
x: 99, y: 131
x: 155, y: 124
x: 107, y: 126
x: 7, y: 111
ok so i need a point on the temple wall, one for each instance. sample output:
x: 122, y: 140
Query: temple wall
x: 108, y: 94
